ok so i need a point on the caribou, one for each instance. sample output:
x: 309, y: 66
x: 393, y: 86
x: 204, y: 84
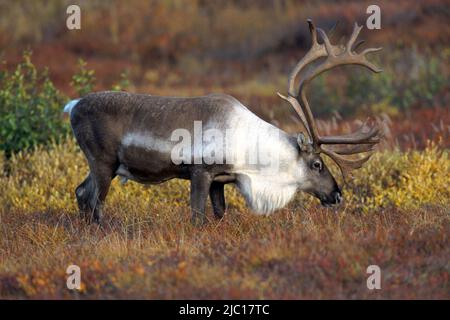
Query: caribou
x: 148, y: 139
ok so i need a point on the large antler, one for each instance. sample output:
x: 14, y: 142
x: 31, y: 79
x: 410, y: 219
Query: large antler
x: 364, y: 139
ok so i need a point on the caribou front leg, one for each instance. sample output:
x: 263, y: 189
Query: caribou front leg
x: 200, y: 184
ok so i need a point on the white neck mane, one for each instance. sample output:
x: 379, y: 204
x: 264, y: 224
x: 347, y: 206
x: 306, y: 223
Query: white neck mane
x: 264, y: 190
x: 265, y: 195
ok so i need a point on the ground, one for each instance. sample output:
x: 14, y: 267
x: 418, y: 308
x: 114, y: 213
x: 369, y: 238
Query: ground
x: 146, y: 247
x: 315, y: 253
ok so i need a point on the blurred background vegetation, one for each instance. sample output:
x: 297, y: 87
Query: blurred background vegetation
x: 243, y: 48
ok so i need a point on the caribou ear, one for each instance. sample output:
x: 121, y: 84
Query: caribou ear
x: 304, y: 143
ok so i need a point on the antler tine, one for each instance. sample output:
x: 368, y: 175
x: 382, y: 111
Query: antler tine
x: 344, y: 164
x: 294, y: 103
x: 326, y: 42
x: 312, y: 31
x: 356, y: 142
x: 351, y: 149
x: 357, y: 137
x: 316, y: 51
x: 369, y: 50
x: 353, y: 37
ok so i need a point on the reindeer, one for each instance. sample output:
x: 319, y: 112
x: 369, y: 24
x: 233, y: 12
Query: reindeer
x: 132, y: 136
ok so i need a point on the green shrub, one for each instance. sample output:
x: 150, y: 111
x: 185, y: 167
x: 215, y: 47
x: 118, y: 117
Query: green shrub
x: 124, y: 82
x: 423, y: 87
x: 365, y: 89
x: 324, y: 97
x: 31, y: 108
x: 84, y: 80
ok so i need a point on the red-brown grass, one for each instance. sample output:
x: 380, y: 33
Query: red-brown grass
x: 294, y: 254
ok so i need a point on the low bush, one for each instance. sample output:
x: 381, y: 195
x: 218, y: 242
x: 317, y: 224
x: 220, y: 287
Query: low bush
x: 47, y: 178
x: 406, y: 180
x: 31, y: 112
x: 31, y: 108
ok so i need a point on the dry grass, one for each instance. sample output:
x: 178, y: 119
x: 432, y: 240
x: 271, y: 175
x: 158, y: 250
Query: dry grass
x: 314, y: 253
x: 146, y: 247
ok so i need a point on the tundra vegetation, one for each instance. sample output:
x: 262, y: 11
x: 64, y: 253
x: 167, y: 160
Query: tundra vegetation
x: 396, y: 210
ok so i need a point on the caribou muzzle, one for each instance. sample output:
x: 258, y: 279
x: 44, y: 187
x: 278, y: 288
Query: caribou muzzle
x: 328, y: 200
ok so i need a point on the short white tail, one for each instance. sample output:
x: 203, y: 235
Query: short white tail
x: 69, y: 106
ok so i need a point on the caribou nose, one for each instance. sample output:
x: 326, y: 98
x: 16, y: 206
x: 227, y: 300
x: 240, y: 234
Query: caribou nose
x: 336, y: 196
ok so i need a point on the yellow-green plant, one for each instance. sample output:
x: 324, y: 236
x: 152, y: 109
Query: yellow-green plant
x: 405, y: 180
x: 47, y: 177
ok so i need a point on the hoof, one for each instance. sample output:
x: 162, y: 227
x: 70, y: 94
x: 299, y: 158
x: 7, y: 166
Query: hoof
x: 90, y: 217
x: 219, y: 215
x: 198, y: 220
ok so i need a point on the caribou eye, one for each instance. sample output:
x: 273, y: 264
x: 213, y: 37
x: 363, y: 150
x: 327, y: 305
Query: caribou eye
x: 317, y: 165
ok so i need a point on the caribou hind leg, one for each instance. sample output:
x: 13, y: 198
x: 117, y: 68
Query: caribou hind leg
x: 84, y: 193
x: 216, y: 193
x: 91, y: 193
x: 200, y: 185
x: 100, y: 151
